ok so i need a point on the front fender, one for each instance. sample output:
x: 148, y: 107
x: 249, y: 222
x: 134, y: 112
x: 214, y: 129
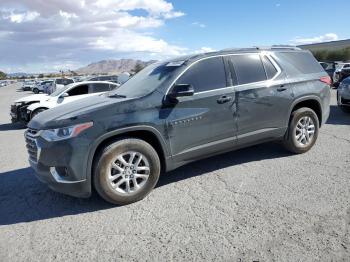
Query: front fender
x: 119, y: 132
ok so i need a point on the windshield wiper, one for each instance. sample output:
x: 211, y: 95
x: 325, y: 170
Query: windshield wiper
x: 117, y: 96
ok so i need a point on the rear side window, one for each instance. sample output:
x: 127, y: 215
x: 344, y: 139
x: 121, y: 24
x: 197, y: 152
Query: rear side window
x: 59, y: 81
x: 67, y: 81
x: 270, y: 69
x: 96, y: 88
x: 304, y: 62
x: 248, y: 68
x: 79, y: 90
x: 205, y: 75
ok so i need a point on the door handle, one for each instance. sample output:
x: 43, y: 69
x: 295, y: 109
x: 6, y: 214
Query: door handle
x: 281, y: 88
x: 224, y: 99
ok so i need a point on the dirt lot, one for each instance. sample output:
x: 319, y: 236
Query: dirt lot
x: 255, y: 204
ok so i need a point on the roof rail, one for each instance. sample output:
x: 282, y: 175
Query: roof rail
x: 287, y: 47
x: 240, y: 49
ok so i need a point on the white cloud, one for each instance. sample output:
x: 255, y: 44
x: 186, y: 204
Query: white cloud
x: 127, y: 41
x: 16, y: 17
x: 201, y: 25
x: 67, y: 15
x: 204, y: 50
x: 317, y: 39
x: 87, y: 29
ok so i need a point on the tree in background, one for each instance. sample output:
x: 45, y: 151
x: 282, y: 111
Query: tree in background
x: 41, y: 76
x: 332, y: 55
x: 2, y: 75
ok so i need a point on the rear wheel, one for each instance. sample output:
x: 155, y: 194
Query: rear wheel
x: 126, y: 171
x: 36, y: 91
x: 302, y: 131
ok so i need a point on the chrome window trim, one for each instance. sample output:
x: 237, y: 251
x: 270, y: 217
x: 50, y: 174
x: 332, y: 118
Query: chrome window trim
x: 261, y: 53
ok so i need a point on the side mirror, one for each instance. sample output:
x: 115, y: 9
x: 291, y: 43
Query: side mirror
x: 181, y: 90
x: 64, y: 95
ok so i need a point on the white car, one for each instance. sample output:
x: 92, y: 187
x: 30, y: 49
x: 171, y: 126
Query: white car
x: 24, y: 109
x: 28, y: 85
x: 42, y: 86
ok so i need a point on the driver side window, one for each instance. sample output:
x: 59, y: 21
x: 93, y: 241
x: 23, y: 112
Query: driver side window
x: 79, y: 90
x: 208, y: 74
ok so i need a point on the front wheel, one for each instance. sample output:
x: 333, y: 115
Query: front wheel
x: 302, y: 132
x: 36, y: 91
x: 126, y: 171
x: 36, y: 112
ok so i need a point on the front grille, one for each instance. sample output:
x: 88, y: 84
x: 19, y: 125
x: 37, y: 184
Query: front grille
x: 13, y: 108
x: 32, y: 132
x: 31, y: 145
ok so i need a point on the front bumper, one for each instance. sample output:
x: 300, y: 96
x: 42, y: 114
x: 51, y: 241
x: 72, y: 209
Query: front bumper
x: 61, y: 165
x: 18, y: 113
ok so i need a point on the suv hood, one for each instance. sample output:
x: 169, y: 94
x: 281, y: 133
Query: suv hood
x: 73, y: 112
x: 38, y: 97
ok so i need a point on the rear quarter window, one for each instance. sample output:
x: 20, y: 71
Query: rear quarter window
x: 304, y: 62
x: 248, y: 68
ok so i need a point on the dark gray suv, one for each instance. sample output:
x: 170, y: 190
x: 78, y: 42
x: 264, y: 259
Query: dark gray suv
x: 174, y: 112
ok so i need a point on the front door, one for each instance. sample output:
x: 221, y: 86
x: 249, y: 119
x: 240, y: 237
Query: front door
x: 203, y: 123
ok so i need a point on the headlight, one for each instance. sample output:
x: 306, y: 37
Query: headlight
x: 64, y: 132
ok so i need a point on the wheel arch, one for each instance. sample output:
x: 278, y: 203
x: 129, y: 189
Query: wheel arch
x: 312, y: 102
x: 36, y: 109
x: 147, y: 133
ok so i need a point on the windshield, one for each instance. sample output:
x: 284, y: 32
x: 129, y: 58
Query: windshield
x: 61, y: 90
x: 148, y: 80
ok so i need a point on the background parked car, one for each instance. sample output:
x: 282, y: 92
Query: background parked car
x: 342, y: 72
x: 70, y: 93
x: 28, y: 85
x: 329, y: 67
x: 42, y: 86
x: 3, y: 83
x: 110, y: 78
x: 58, y: 83
x: 343, y: 95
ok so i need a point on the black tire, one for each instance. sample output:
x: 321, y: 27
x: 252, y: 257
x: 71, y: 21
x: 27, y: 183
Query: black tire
x: 36, y: 91
x: 36, y: 112
x: 290, y: 141
x: 106, y: 158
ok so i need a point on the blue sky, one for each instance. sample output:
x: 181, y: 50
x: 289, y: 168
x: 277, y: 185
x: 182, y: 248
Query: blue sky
x: 246, y: 23
x: 47, y: 36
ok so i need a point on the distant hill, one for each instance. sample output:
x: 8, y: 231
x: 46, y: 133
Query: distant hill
x: 18, y: 74
x: 112, y: 66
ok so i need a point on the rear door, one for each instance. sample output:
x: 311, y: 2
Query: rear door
x: 261, y: 95
x: 203, y: 123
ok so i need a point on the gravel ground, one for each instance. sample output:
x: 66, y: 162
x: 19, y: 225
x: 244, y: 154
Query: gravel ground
x: 255, y: 204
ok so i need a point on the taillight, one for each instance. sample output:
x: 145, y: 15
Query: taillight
x: 326, y: 79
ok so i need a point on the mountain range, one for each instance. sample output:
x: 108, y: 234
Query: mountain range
x: 112, y: 66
